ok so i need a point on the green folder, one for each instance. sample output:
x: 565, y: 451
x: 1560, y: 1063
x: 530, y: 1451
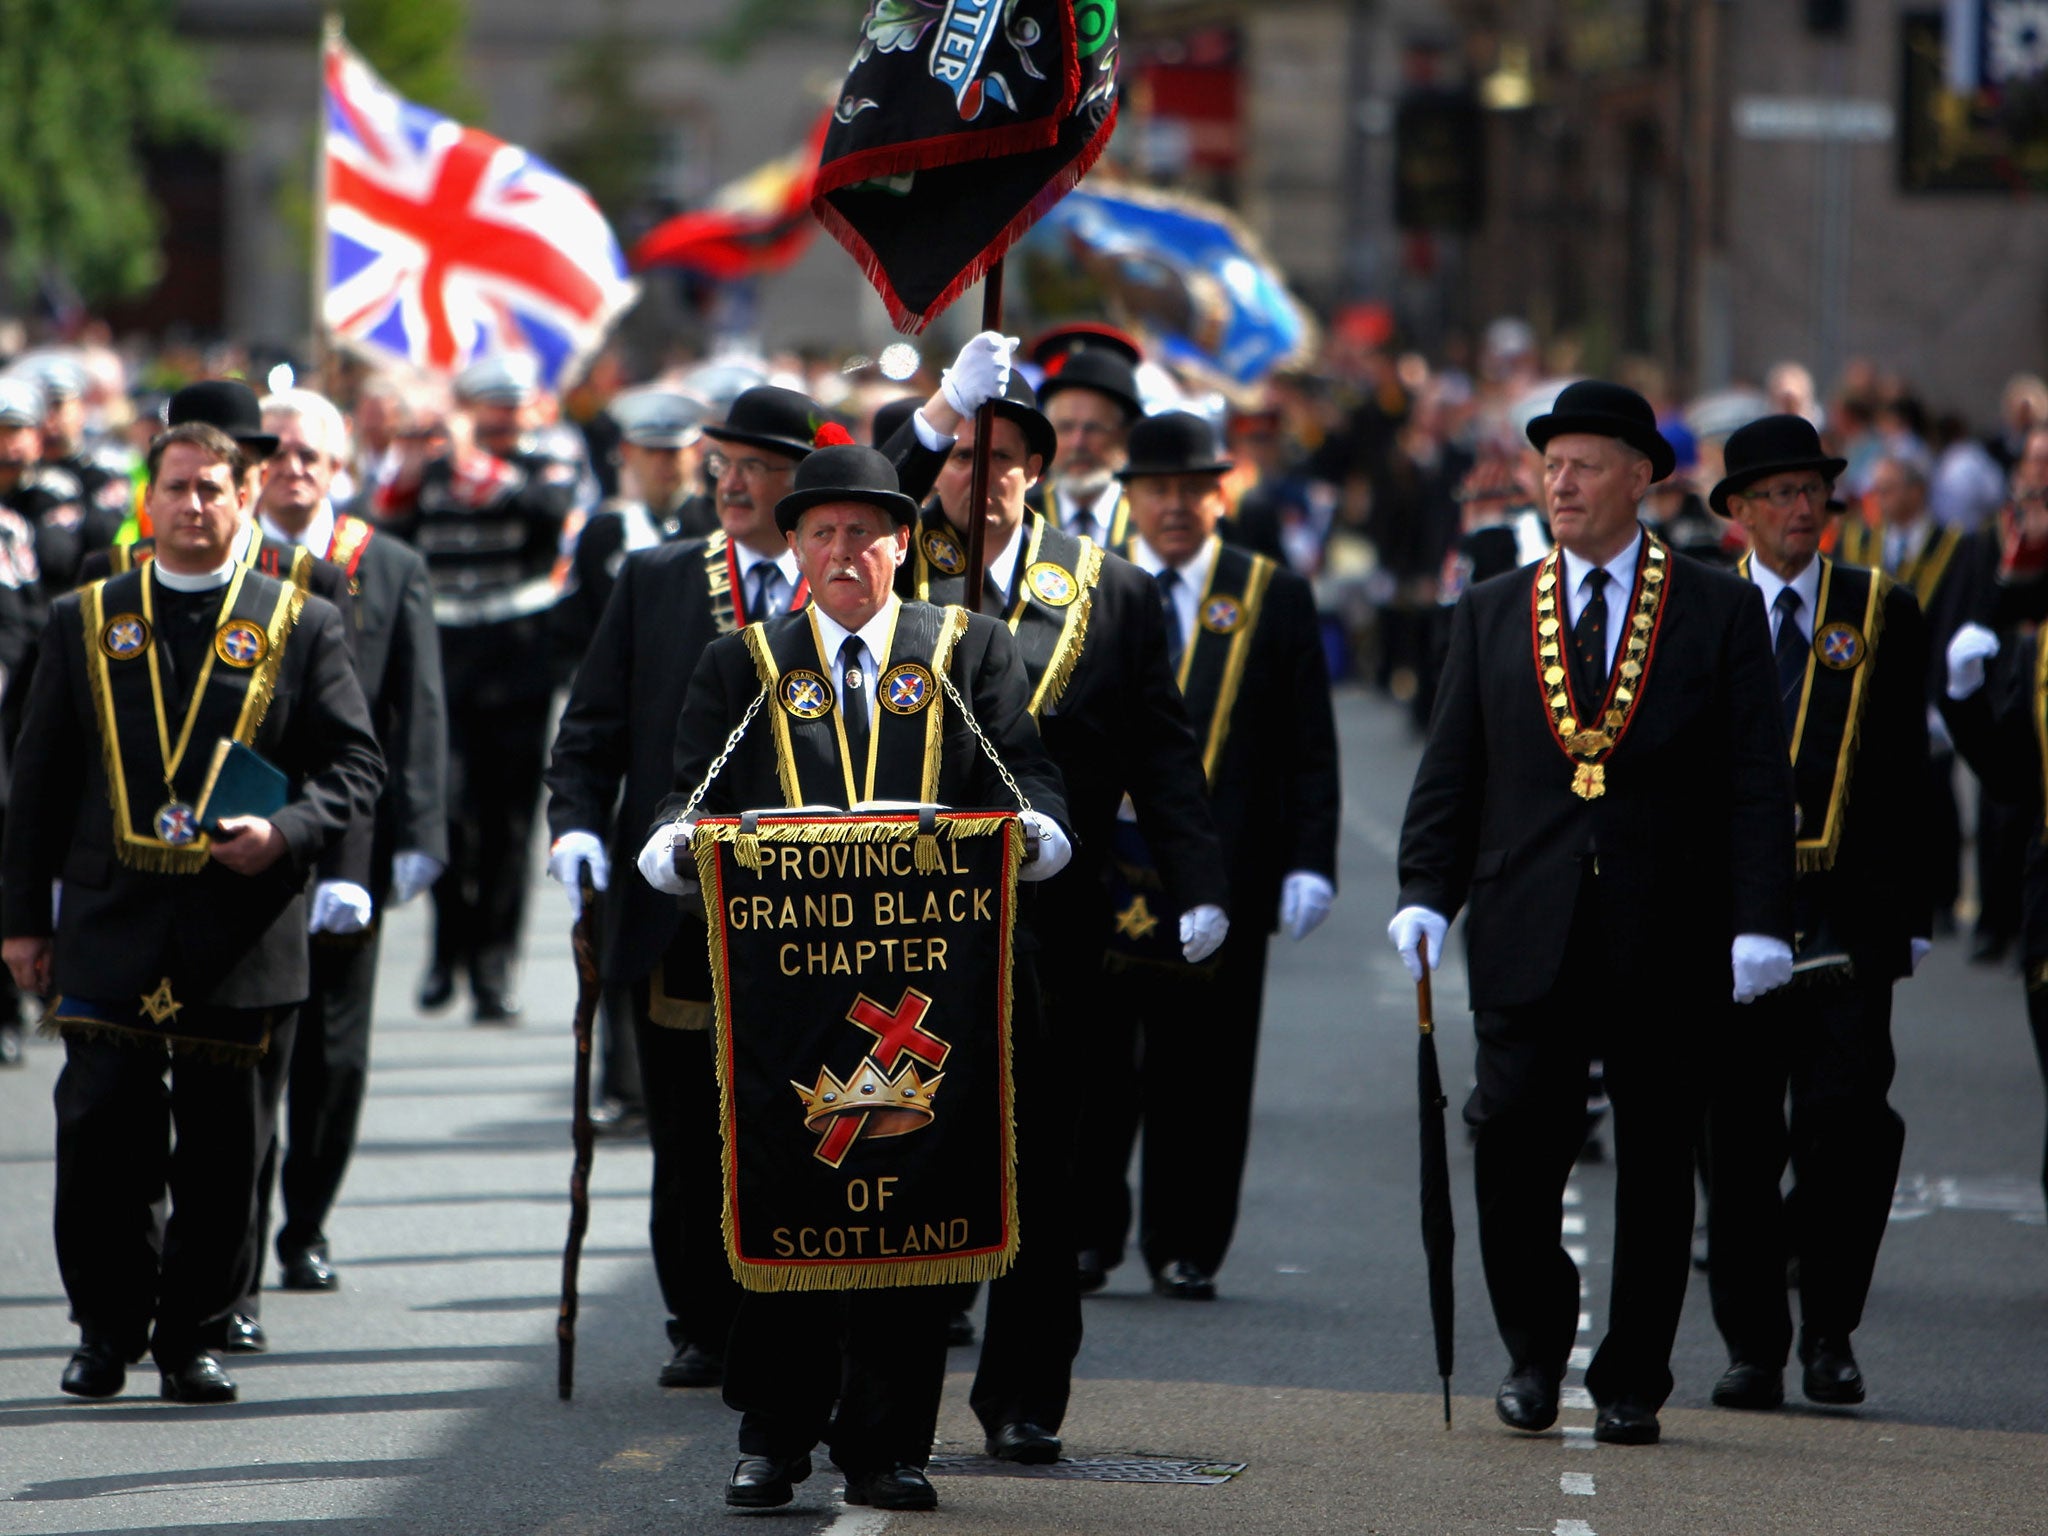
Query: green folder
x: 240, y: 782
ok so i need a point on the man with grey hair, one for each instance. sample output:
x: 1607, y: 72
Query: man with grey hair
x: 398, y: 662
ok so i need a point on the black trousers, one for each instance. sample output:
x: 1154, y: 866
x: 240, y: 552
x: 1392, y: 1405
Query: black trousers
x: 1529, y: 1110
x: 497, y: 749
x: 136, y: 1123
x: 1945, y: 832
x: 2003, y: 833
x: 880, y: 1355
x: 324, y: 1084
x: 1830, y: 1045
x: 2037, y: 1021
x: 1179, y: 1053
x: 680, y: 1082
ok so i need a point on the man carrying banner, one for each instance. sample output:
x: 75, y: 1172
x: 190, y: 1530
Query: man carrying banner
x: 861, y: 697
x: 181, y: 943
x: 1851, y: 650
x: 1181, y: 1037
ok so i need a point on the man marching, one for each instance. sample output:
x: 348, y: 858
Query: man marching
x: 181, y: 944
x: 853, y: 678
x: 1606, y: 783
x: 1851, y: 654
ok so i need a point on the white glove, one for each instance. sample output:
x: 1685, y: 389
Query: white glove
x: 412, y: 872
x: 1305, y: 898
x: 1202, y: 932
x: 1761, y: 964
x: 980, y: 373
x: 568, y: 855
x: 1053, y: 848
x: 1921, y: 949
x: 339, y: 906
x: 657, y: 860
x: 1972, y: 646
x: 1411, y: 925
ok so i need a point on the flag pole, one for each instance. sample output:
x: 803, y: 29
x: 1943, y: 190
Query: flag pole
x: 984, y: 424
x: 330, y: 35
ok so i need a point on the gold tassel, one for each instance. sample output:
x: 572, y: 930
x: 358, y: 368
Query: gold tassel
x: 746, y: 849
x: 925, y: 853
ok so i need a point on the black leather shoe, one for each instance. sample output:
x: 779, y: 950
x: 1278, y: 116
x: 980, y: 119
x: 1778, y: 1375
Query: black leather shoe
x: 1744, y: 1385
x: 495, y: 1005
x: 437, y: 989
x: 306, y: 1269
x: 760, y: 1482
x: 1832, y: 1376
x: 97, y: 1370
x: 959, y: 1330
x: 198, y: 1380
x: 1988, y: 948
x: 1527, y: 1399
x: 893, y: 1488
x: 1626, y: 1423
x: 1094, y: 1274
x: 1183, y: 1282
x: 616, y: 1120
x: 238, y: 1334
x: 1026, y: 1443
x: 693, y: 1366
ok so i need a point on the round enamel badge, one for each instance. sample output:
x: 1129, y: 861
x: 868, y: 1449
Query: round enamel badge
x: 176, y: 823
x: 906, y: 689
x: 1053, y: 585
x: 806, y: 694
x: 240, y: 644
x: 1838, y: 646
x: 125, y: 635
x: 943, y: 553
x: 1221, y: 615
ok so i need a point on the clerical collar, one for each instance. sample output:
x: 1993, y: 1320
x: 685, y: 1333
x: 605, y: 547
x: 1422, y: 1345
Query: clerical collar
x: 317, y: 535
x: 202, y: 581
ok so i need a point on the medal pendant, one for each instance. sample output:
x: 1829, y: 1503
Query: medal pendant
x: 177, y: 823
x: 1590, y: 782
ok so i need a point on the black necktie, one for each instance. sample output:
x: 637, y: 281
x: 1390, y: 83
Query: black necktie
x: 1083, y: 525
x: 992, y: 599
x: 765, y: 583
x: 1790, y: 652
x: 1589, y: 648
x: 853, y: 699
x: 1169, y: 584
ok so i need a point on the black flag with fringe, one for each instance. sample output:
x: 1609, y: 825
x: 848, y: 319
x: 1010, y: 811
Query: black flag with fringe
x: 960, y: 123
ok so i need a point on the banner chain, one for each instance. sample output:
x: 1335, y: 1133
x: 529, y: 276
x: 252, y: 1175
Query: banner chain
x: 987, y: 746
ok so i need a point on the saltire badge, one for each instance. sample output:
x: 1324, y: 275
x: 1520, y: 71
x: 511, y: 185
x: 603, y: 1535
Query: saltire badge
x: 1053, y: 585
x: 1838, y: 646
x: 1222, y: 614
x: 124, y: 635
x: 906, y: 689
x: 176, y: 823
x: 943, y: 553
x: 240, y: 643
x: 806, y: 694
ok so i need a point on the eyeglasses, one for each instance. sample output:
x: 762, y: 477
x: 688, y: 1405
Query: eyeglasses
x: 1084, y: 429
x: 718, y: 466
x: 1783, y: 496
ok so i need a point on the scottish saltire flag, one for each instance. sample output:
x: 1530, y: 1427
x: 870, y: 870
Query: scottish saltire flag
x: 1187, y: 274
x: 445, y: 245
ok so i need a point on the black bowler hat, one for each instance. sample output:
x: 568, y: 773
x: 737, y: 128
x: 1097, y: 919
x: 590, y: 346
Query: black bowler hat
x: 1054, y: 348
x: 779, y: 420
x: 1099, y: 369
x: 889, y: 418
x: 228, y: 404
x: 845, y: 471
x: 1607, y: 410
x: 1174, y: 443
x: 1017, y: 403
x: 1771, y: 445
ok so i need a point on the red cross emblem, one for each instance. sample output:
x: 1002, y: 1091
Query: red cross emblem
x: 897, y: 1031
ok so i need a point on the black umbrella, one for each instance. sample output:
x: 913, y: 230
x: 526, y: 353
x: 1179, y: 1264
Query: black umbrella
x: 1438, y: 1236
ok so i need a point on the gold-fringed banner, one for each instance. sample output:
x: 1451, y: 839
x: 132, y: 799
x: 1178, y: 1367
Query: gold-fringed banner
x: 861, y: 973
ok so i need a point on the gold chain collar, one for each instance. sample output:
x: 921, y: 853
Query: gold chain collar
x: 1586, y: 744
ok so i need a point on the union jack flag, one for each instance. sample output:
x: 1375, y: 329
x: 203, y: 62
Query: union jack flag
x: 445, y: 245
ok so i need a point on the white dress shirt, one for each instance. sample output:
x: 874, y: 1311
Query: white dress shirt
x: 1770, y: 584
x: 1901, y: 545
x: 784, y: 563
x: 1004, y: 566
x: 317, y: 535
x: 874, y: 640
x: 1621, y: 585
x: 1102, y: 509
x: 1194, y: 581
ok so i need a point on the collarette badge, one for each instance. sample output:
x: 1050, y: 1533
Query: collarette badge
x: 943, y: 553
x: 1839, y: 646
x: 1222, y: 614
x: 1053, y: 585
x: 240, y: 644
x: 806, y: 694
x: 906, y: 689
x: 124, y: 635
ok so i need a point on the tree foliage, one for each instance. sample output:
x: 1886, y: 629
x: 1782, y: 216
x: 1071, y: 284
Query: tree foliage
x: 416, y: 45
x: 83, y: 89
x: 613, y: 150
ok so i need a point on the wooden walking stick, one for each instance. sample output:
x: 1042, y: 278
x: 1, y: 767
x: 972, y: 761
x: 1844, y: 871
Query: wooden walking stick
x: 589, y: 989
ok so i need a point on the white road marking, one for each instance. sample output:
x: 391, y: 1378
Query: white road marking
x: 1572, y: 1195
x: 1580, y: 1358
x: 858, y: 1522
x: 1576, y: 1482
x: 1577, y: 1252
x: 1574, y: 1226
x: 1575, y: 1397
x: 1585, y: 1322
x: 1578, y: 1437
x: 1572, y: 1528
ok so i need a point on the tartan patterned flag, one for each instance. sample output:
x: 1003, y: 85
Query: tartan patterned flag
x: 445, y: 245
x: 960, y: 123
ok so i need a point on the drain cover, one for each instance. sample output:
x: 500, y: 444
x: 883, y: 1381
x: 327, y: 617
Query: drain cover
x: 1095, y: 1469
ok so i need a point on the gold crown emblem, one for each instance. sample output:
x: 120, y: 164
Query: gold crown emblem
x: 894, y: 1106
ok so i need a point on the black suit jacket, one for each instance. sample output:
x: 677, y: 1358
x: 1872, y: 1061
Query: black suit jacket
x: 985, y: 670
x: 1693, y: 836
x: 225, y: 939
x: 1996, y: 732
